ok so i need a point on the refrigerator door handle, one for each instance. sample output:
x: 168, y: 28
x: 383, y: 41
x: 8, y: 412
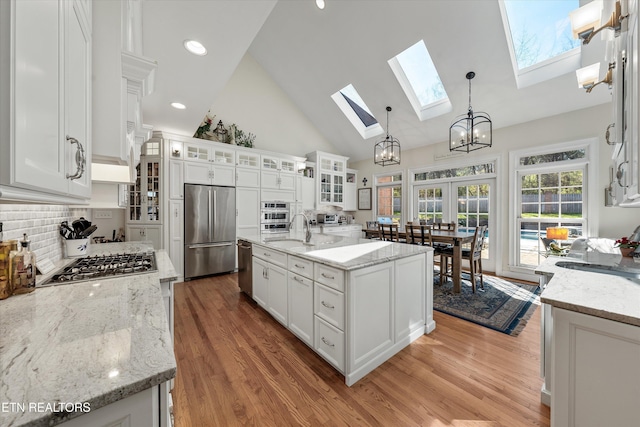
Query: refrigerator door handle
x: 215, y: 208
x: 209, y: 245
x: 209, y: 213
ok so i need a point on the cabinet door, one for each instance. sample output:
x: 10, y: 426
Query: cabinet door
x: 197, y: 173
x: 247, y: 178
x: 287, y: 181
x: 338, y: 189
x: 176, y: 179
x: 301, y: 307
x: 142, y: 233
x: 39, y: 146
x: 260, y: 282
x: 278, y: 302
x: 326, y: 180
x: 350, y: 203
x: 270, y: 179
x: 308, y: 193
x: 223, y: 175
x: 248, y: 211
x: 77, y: 99
x: 176, y: 234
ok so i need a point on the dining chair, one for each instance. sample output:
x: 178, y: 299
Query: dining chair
x: 373, y: 225
x: 473, y: 255
x: 418, y: 234
x: 450, y: 226
x: 389, y: 232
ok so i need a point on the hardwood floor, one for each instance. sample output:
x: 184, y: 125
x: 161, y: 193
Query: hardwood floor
x: 239, y: 366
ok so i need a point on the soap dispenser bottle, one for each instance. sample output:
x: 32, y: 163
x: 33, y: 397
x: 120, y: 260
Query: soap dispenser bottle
x: 22, y: 265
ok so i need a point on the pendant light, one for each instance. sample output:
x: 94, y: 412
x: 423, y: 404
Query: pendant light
x: 387, y: 151
x: 471, y: 131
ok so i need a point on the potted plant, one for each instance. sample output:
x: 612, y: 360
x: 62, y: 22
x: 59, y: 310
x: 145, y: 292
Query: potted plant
x: 626, y: 246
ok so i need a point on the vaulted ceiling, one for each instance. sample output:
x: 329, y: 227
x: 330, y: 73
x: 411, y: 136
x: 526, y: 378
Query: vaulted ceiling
x: 312, y: 53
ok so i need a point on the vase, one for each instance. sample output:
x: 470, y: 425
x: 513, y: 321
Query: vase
x: 627, y: 251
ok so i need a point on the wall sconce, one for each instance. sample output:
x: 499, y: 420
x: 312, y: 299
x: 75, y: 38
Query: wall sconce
x: 585, y: 19
x: 364, y: 181
x: 588, y: 76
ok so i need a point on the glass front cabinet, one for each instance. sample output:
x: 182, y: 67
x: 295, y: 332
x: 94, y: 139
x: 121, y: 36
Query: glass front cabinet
x: 331, y: 177
x: 144, y: 204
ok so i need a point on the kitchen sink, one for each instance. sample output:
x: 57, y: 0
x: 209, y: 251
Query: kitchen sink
x: 288, y: 243
x: 625, y: 272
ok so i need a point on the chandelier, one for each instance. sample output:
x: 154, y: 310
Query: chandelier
x: 387, y: 151
x: 471, y: 131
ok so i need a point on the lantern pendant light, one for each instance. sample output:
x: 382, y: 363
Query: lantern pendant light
x: 387, y: 151
x: 471, y: 131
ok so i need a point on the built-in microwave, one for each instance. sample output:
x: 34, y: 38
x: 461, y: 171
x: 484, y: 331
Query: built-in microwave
x: 274, y: 217
x: 327, y: 218
x: 275, y: 228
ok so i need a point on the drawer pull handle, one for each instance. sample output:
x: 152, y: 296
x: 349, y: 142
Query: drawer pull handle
x: 324, y: 340
x: 327, y: 305
x: 327, y: 276
x: 266, y: 254
x: 298, y: 266
x: 297, y: 279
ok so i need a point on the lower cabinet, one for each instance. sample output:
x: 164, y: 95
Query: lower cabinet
x: 352, y: 230
x: 277, y: 289
x: 175, y: 236
x: 259, y: 272
x: 301, y: 307
x: 596, y: 375
x: 144, y: 409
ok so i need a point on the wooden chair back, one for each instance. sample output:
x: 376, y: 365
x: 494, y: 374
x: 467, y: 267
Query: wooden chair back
x: 419, y: 234
x: 478, y: 242
x: 450, y: 226
x: 389, y: 232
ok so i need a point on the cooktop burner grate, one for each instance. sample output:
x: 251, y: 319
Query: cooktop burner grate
x: 105, y: 266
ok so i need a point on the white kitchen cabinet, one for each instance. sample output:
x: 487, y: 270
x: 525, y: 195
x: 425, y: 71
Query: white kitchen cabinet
x: 300, y: 301
x: 306, y: 192
x: 259, y: 273
x: 142, y: 409
x: 141, y: 233
x: 278, y: 173
x: 45, y: 116
x: 176, y: 235
x: 247, y: 211
x: 210, y: 174
x: 352, y: 230
x: 209, y: 153
x: 176, y: 179
x: 330, y: 178
x: 247, y: 177
x: 350, y: 191
x: 277, y: 300
x: 272, y: 277
x: 122, y: 76
x: 247, y: 159
x: 596, y: 375
x: 145, y: 194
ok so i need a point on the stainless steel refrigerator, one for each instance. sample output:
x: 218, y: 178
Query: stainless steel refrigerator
x: 209, y: 230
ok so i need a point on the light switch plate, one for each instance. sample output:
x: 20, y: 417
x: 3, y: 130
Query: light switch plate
x: 102, y: 214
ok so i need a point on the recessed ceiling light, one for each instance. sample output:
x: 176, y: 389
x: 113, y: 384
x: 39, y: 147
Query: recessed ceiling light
x: 195, y: 47
x: 178, y: 106
x: 320, y: 4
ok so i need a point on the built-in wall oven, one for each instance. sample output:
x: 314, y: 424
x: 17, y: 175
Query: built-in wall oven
x: 275, y: 217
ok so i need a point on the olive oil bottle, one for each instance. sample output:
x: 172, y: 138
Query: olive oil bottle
x: 22, y: 268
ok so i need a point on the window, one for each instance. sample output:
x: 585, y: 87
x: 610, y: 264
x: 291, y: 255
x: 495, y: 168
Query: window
x: 420, y: 81
x: 540, y: 40
x: 550, y: 188
x: 389, y: 199
x: 474, y: 170
x: 357, y: 112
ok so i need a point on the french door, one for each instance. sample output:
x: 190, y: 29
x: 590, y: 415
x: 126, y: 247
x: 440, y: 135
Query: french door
x: 467, y: 202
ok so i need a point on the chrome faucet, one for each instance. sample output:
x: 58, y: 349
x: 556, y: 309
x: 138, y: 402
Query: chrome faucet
x: 307, y: 236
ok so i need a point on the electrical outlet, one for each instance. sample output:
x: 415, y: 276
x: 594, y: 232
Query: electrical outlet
x: 102, y: 215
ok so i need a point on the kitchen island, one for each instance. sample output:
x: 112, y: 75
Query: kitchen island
x: 353, y: 301
x: 591, y: 341
x: 100, y: 346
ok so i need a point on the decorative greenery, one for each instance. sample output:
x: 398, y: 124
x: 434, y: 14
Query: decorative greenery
x: 242, y: 139
x: 626, y: 243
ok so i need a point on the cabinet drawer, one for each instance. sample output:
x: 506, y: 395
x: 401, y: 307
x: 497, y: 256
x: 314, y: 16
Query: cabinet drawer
x: 300, y: 266
x: 332, y: 277
x: 274, y: 257
x: 328, y: 304
x: 329, y: 343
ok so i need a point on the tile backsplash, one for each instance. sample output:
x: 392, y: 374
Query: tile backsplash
x: 42, y: 225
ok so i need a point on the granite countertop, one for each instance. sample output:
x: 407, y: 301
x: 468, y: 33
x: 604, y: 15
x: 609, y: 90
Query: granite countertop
x: 345, y: 253
x: 601, y: 295
x: 95, y: 341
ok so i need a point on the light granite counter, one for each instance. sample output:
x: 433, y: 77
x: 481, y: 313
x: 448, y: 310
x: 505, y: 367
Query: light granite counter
x: 345, y: 253
x: 96, y: 341
x: 601, y: 295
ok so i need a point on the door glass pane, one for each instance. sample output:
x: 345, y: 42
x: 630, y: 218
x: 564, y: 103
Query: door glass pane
x: 389, y: 203
x: 473, y: 210
x: 429, y: 205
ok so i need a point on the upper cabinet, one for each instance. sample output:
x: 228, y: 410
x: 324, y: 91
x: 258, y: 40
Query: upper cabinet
x: 45, y: 100
x: 122, y: 76
x: 330, y: 177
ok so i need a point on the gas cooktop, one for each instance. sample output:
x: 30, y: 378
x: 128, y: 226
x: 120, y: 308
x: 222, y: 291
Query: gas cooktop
x: 104, y: 267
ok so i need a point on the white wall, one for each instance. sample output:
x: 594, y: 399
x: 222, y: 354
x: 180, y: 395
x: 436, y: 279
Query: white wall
x: 256, y: 104
x: 588, y: 123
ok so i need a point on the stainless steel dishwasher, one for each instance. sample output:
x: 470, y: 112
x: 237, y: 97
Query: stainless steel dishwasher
x: 245, y: 279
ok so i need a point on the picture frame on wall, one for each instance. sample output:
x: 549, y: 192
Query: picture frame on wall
x: 364, y: 199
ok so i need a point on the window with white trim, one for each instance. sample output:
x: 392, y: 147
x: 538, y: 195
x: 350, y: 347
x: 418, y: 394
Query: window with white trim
x: 389, y: 200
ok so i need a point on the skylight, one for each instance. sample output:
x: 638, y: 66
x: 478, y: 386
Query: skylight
x: 420, y: 81
x: 354, y: 108
x: 540, y: 39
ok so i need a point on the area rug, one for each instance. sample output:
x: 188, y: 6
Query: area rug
x: 504, y: 306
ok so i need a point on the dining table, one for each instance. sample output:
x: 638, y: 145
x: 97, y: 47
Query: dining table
x: 455, y: 238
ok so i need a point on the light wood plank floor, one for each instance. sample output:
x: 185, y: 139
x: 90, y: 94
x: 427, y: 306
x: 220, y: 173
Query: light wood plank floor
x: 238, y: 366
